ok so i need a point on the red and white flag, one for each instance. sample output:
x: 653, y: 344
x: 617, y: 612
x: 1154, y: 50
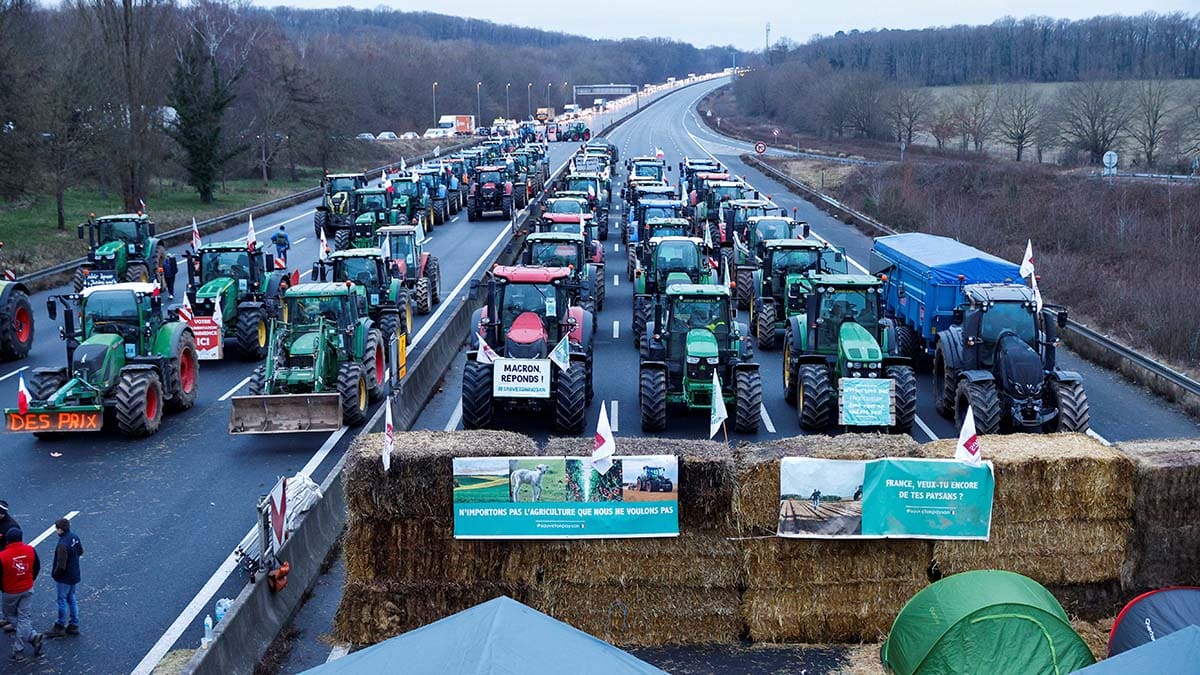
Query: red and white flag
x: 323, y: 253
x: 195, y: 236
x: 278, y: 506
x: 605, y: 445
x: 658, y: 153
x: 1027, y: 261
x: 389, y: 436
x: 218, y: 319
x: 485, y: 354
x: 22, y: 395
x: 251, y: 238
x: 10, y: 275
x: 185, y: 311
x: 967, y: 450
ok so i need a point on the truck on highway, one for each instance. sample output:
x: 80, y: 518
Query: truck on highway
x: 459, y: 125
x: 992, y: 350
x: 544, y: 114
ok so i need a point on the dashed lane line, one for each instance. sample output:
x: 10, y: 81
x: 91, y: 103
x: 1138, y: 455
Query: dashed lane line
x: 766, y: 419
x: 616, y: 329
x: 615, y: 419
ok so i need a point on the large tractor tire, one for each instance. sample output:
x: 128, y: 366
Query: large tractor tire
x: 981, y: 397
x: 375, y: 365
x: 652, y: 398
x: 791, y: 366
x: 600, y: 290
x: 816, y: 402
x: 388, y: 324
x: 477, y: 404
x: 906, y: 341
x: 472, y: 213
x: 945, y: 385
x: 629, y: 263
x: 747, y: 416
x: 137, y: 272
x: 139, y: 402
x: 745, y: 288
x: 16, y: 334
x: 258, y: 381
x: 77, y: 280
x: 506, y: 207
x: 156, y: 266
x: 352, y: 386
x: 183, y: 375
x: 439, y: 213
x: 642, y: 314
x: 252, y: 332
x: 728, y: 264
x: 570, y: 399
x: 320, y: 221
x: 42, y: 386
x: 905, y: 382
x: 764, y: 326
x: 341, y: 240
x: 1071, y: 401
x: 424, y: 296
x: 433, y: 270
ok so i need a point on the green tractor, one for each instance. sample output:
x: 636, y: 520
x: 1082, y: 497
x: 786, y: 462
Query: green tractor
x: 781, y: 282
x: 372, y: 209
x: 16, y: 317
x: 839, y: 337
x: 575, y: 132
x: 127, y: 359
x: 653, y: 479
x: 569, y: 250
x: 419, y: 272
x: 653, y: 227
x: 692, y: 336
x: 336, y: 209
x: 669, y: 260
x: 713, y: 191
x: 387, y: 299
x: 120, y: 248
x: 326, y: 363
x: 245, y: 281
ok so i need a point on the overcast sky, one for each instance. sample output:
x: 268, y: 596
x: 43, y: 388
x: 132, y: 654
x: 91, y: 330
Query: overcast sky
x: 743, y: 22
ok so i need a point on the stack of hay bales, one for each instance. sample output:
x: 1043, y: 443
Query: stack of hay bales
x: 677, y: 590
x: 1062, y: 514
x: 804, y: 590
x: 404, y: 569
x: 1165, y: 548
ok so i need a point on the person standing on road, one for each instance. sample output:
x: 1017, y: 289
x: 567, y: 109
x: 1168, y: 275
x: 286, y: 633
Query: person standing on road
x: 816, y: 499
x: 282, y: 244
x: 170, y: 270
x: 19, y: 566
x: 65, y: 573
x: 7, y: 522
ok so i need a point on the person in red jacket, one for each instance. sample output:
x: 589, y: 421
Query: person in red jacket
x: 19, y: 566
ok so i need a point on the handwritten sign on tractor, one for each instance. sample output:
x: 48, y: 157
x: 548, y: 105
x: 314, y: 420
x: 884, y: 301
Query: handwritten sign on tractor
x: 865, y: 402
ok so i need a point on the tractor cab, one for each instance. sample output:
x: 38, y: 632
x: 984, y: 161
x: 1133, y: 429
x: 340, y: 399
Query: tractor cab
x: 671, y: 260
x: 567, y: 205
x: 372, y: 208
x: 648, y: 168
x: 531, y: 305
x: 690, y: 168
x: 668, y: 227
x: 787, y: 264
x: 843, y: 312
x: 132, y: 311
x: 366, y: 267
x: 575, y: 252
x: 402, y: 245
x: 649, y: 209
x: 120, y: 248
x: 760, y: 229
x: 698, y: 334
x: 339, y: 188
x: 735, y: 215
x: 711, y: 193
x: 229, y: 270
x: 587, y: 183
x: 636, y: 191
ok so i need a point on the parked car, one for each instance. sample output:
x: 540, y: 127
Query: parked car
x: 409, y: 136
x: 387, y: 136
x: 364, y: 136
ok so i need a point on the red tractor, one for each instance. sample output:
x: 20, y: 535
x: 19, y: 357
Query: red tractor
x: 491, y: 190
x: 527, y: 313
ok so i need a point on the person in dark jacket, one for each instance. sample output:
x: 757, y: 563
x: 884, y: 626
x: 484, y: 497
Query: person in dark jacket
x: 7, y: 522
x: 170, y: 270
x: 283, y: 243
x: 19, y: 566
x: 66, y: 577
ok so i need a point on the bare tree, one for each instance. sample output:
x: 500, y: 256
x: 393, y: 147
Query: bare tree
x: 865, y: 105
x: 1018, y: 117
x: 1152, y: 103
x: 67, y: 121
x: 1093, y: 115
x: 976, y: 111
x: 943, y: 125
x: 911, y: 109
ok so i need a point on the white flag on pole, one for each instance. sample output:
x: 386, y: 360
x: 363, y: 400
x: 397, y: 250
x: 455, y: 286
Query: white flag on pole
x: 218, y: 319
x: 606, y: 445
x: 561, y: 355
x: 718, y: 414
x: 185, y: 312
x: 967, y: 450
x: 251, y: 238
x: 195, y: 236
x: 485, y: 354
x: 389, y: 436
x: 1027, y: 261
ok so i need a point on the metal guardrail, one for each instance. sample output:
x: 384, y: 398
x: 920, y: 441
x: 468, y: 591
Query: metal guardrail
x: 1099, y: 340
x: 277, y: 204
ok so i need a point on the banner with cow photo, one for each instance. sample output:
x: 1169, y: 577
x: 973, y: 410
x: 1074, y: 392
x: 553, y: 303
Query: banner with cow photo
x: 884, y: 499
x: 565, y: 498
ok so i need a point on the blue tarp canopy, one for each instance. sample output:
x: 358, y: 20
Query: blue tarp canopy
x: 944, y: 259
x: 1175, y: 654
x: 499, y: 637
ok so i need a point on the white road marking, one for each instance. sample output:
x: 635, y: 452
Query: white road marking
x: 616, y: 329
x: 50, y: 530
x: 455, y: 417
x: 301, y: 240
x: 766, y: 419
x: 616, y: 280
x: 427, y: 240
x: 5, y: 377
x: 302, y: 215
x: 925, y: 428
x: 616, y: 248
x: 236, y: 387
x: 1098, y: 437
x: 614, y: 421
x: 339, y: 650
x: 306, y: 273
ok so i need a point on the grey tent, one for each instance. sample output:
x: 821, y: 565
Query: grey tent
x: 500, y: 636
x: 1175, y: 654
x: 1152, y: 615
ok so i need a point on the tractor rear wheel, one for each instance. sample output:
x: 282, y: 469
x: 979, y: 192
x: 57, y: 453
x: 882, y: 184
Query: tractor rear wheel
x: 183, y: 375
x: 642, y: 314
x: 341, y: 240
x: 506, y: 206
x: 44, y: 384
x: 652, y: 398
x: 791, y: 367
x: 472, y: 214
x: 477, y: 403
x: 138, y: 406
x: 1071, y: 401
x: 764, y: 326
x: 945, y: 385
x: 745, y: 292
x: 815, y: 402
x: 905, y: 383
x: 77, y: 280
x: 600, y: 291
x: 388, y: 323
x: 252, y: 333
x: 437, y: 214
x: 570, y: 399
x: 16, y: 334
x: 906, y: 341
x: 984, y: 403
x: 424, y: 298
x: 137, y: 272
x: 375, y: 365
x: 629, y: 263
x: 258, y: 381
x: 352, y: 386
x: 748, y: 413
x: 433, y: 270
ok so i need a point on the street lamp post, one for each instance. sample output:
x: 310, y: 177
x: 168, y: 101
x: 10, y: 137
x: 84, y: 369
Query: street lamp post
x: 548, y: 85
x: 435, y: 117
x: 507, y: 111
x: 529, y: 99
x: 564, y: 93
x: 478, y: 104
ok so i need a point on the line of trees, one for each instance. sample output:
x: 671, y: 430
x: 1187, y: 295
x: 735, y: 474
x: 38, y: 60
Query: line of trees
x: 124, y: 91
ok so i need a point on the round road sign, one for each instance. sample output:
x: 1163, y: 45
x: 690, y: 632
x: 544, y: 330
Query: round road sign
x: 760, y: 147
x: 1110, y: 159
x: 775, y: 132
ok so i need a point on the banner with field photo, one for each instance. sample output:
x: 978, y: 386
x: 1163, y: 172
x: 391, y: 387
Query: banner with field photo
x: 884, y: 499
x: 565, y: 498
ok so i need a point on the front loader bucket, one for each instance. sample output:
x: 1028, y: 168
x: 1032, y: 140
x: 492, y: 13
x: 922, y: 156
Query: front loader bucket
x: 285, y: 413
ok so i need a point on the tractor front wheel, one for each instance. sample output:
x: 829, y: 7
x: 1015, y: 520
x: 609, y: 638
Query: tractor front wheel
x: 139, y: 403
x: 477, y: 403
x: 252, y: 334
x: 652, y: 398
x: 791, y: 366
x: 77, y: 280
x: 984, y: 403
x: 341, y: 240
x: 815, y: 402
x: 764, y: 326
x: 641, y: 317
x: 906, y: 341
x: 506, y: 207
x: 258, y: 381
x: 1071, y: 401
x: 183, y: 375
x: 375, y: 365
x: 42, y: 386
x: 748, y: 414
x: 424, y: 296
x: 433, y: 270
x: 745, y: 290
x: 388, y: 323
x: 472, y: 214
x: 570, y: 399
x: 945, y: 385
x: 905, y: 383
x: 320, y: 220
x: 352, y: 386
x: 137, y: 272
x: 16, y: 334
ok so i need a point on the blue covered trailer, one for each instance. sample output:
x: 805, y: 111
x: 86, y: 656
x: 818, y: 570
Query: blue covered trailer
x: 925, y: 275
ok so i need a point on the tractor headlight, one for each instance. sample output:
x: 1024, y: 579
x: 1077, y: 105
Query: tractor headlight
x: 693, y: 359
x: 851, y: 364
x: 714, y: 360
x: 875, y: 365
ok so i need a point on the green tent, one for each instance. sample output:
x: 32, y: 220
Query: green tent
x: 984, y: 621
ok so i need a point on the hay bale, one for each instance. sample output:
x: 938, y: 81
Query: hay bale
x: 691, y: 560
x: 854, y: 612
x: 757, y: 469
x: 1090, y: 602
x: 373, y: 612
x: 1053, y: 477
x: 800, y: 563
x: 646, y: 614
x: 421, y: 482
x: 1095, y: 634
x: 705, y: 474
x: 1066, y: 552
x: 1165, y: 547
